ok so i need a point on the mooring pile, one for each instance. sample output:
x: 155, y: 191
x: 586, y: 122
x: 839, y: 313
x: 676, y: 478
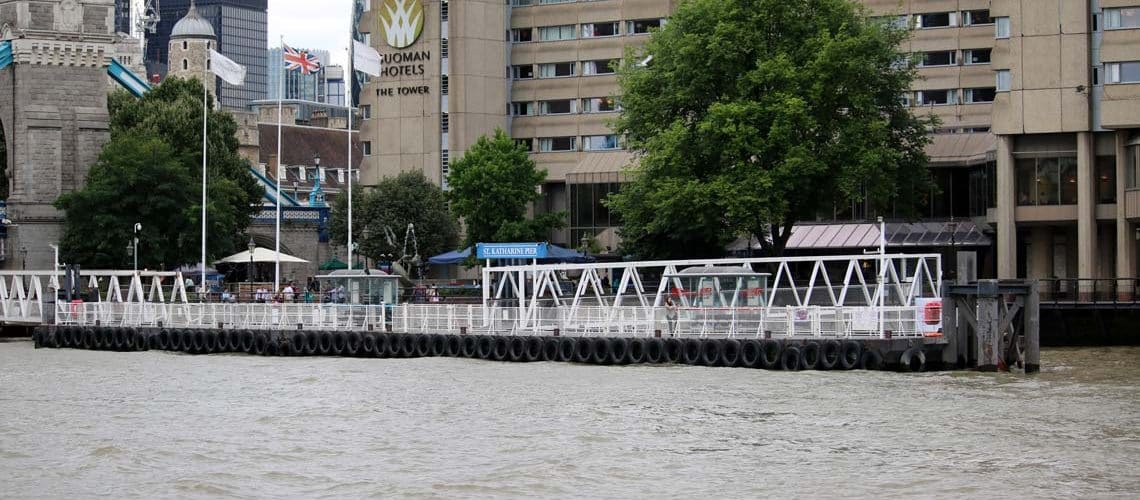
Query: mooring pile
x: 770, y: 354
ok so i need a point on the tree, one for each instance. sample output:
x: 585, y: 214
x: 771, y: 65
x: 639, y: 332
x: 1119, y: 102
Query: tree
x: 148, y: 184
x: 168, y: 121
x: 408, y: 198
x: 492, y: 186
x: 753, y: 114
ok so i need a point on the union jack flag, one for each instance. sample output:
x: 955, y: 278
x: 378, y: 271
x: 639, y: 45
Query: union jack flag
x: 302, y: 60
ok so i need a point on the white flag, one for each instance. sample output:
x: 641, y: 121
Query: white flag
x: 365, y: 59
x: 226, y: 69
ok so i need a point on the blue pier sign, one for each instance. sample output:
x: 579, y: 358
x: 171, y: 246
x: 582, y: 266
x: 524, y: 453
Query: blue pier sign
x: 484, y: 251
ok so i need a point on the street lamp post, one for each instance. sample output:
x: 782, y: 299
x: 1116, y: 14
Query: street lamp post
x: 252, y: 246
x: 135, y: 251
x: 23, y: 257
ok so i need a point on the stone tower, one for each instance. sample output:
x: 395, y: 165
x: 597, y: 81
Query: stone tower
x: 190, y: 42
x: 53, y: 110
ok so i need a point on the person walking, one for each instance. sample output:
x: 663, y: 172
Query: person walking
x: 671, y: 315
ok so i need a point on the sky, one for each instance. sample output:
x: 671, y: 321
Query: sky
x: 305, y: 25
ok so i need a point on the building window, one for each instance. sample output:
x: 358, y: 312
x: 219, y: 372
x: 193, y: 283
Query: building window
x: 597, y: 30
x: 1001, y: 27
x: 556, y: 70
x: 185, y: 65
x: 1122, y: 18
x: 599, y: 67
x: 522, y: 35
x: 554, y: 33
x: 521, y: 3
x: 984, y: 94
x: 522, y: 108
x: 939, y: 58
x: 936, y: 97
x: 1106, y: 179
x: 600, y: 142
x: 444, y: 122
x: 185, y: 45
x: 1046, y: 181
x: 557, y: 144
x: 208, y: 64
x: 976, y: 56
x: 443, y: 8
x: 588, y: 212
x: 366, y: 111
x: 366, y: 146
x: 642, y: 26
x: 444, y: 168
x: 522, y: 72
x: 527, y: 144
x: 1122, y: 72
x: 976, y: 17
x: 443, y: 47
x: 599, y: 105
x: 936, y: 20
x: 443, y: 84
x: 1003, y: 80
x: 557, y: 107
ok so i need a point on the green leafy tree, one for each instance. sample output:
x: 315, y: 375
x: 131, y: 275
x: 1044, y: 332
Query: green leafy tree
x: 148, y: 184
x: 492, y: 186
x: 753, y: 114
x: 169, y: 116
x: 409, y: 198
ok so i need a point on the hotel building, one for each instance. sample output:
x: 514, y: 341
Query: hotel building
x: 1039, y: 103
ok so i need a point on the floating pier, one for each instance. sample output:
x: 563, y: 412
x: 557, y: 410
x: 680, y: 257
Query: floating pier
x: 837, y: 312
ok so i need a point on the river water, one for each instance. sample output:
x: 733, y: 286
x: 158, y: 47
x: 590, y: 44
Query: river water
x: 162, y: 425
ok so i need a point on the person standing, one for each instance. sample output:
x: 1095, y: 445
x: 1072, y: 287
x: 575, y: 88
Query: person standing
x: 287, y: 292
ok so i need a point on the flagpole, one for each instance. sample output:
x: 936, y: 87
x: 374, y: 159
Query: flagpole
x: 205, y: 119
x: 277, y: 174
x: 351, y: 84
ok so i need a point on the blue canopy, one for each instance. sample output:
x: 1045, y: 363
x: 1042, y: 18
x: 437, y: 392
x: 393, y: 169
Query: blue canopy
x: 555, y: 253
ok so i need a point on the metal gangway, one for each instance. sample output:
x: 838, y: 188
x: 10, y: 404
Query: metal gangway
x: 854, y: 296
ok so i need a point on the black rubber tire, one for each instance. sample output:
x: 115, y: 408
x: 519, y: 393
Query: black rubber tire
x: 118, y: 339
x: 654, y: 350
x: 273, y: 347
x: 811, y: 353
x: 437, y: 345
x: 211, y: 345
x: 75, y: 337
x: 750, y: 352
x: 850, y: 354
x: 469, y: 346
x: 730, y: 353
x: 140, y: 340
x: 175, y: 340
x: 340, y: 343
x: 453, y: 346
x: 102, y: 339
x: 324, y: 343
x: 484, y: 347
x: 619, y: 350
x: 387, y: 345
x: 260, y: 344
x: 367, y: 345
x: 312, y: 344
x: 691, y: 351
x: 710, y: 352
x: 352, y: 343
x: 771, y: 354
x: 674, y: 351
x: 423, y: 345
x: 223, y: 341
x: 829, y: 355
x: 297, y: 341
x: 550, y: 348
x: 791, y: 359
x: 533, y: 350
x: 407, y: 345
x: 913, y: 360
x: 600, y: 348
x: 871, y: 360
x: 583, y: 350
x: 235, y: 340
x: 198, y: 345
x: 637, y: 348
x: 88, y: 340
x: 501, y: 350
x: 248, y: 342
x: 517, y: 351
x: 566, y: 346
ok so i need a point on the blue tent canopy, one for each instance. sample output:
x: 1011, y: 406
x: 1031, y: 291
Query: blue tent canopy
x: 554, y: 253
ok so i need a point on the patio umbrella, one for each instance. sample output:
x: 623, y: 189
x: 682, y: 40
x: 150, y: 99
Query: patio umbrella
x: 259, y: 255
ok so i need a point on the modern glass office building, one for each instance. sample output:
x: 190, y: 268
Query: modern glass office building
x: 242, y: 30
x: 309, y: 87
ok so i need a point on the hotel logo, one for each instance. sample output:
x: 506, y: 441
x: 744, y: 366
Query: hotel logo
x: 401, y: 22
